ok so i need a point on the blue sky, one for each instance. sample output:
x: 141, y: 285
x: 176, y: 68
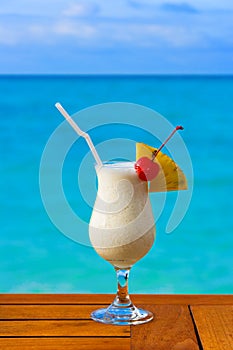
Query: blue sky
x: 124, y: 36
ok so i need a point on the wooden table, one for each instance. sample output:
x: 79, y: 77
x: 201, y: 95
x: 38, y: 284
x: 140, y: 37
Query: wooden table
x: 61, y: 321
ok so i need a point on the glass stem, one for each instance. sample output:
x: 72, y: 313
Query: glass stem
x: 122, y: 298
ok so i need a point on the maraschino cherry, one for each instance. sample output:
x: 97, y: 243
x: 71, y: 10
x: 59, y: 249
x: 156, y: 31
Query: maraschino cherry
x: 145, y: 167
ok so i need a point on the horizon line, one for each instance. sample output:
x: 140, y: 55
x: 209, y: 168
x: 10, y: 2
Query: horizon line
x: 116, y: 74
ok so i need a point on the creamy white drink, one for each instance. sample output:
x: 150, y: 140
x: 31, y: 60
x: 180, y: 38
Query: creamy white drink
x: 121, y: 228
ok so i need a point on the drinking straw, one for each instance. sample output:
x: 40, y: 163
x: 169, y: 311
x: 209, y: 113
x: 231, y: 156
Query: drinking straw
x: 80, y: 132
x: 154, y: 154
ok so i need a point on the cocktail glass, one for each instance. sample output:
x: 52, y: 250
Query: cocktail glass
x: 122, y: 228
x: 122, y: 231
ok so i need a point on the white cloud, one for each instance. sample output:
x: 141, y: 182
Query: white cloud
x: 76, y: 29
x: 37, y: 30
x: 80, y: 9
x: 166, y: 30
x: 117, y: 9
x: 42, y: 25
x: 177, y: 36
x: 8, y: 37
x: 28, y: 7
x: 195, y: 4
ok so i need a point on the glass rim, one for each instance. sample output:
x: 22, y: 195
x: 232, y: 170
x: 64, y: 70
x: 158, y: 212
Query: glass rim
x: 115, y: 162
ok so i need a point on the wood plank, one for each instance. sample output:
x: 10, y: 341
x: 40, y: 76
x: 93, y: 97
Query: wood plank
x: 172, y: 328
x: 215, y: 326
x: 89, y: 299
x: 60, y: 328
x: 39, y: 312
x: 56, y: 299
x: 64, y: 343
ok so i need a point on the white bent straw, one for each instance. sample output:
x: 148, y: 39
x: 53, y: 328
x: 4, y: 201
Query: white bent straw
x: 80, y: 132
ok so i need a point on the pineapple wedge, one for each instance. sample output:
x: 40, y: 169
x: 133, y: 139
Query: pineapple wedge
x: 170, y: 176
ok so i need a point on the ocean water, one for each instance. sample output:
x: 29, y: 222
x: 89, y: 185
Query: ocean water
x: 36, y: 257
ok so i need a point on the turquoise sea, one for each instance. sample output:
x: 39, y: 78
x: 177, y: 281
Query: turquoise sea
x: 36, y: 257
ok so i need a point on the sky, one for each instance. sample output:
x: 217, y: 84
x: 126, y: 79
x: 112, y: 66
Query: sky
x: 116, y: 37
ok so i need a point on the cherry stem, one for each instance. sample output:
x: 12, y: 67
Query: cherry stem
x: 154, y: 154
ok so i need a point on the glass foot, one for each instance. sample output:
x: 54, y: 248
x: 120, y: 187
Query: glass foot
x: 129, y: 315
